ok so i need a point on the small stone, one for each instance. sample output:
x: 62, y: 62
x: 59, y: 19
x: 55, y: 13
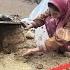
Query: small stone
x: 30, y: 35
x: 25, y: 61
x: 40, y: 53
x: 39, y: 66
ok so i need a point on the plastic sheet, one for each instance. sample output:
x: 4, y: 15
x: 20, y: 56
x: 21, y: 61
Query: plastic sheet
x: 41, y: 32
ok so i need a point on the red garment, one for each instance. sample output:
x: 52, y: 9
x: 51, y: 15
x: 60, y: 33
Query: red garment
x: 62, y: 67
x: 51, y: 25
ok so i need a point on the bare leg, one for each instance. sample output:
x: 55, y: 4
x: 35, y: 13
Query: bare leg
x: 37, y: 49
x: 31, y: 51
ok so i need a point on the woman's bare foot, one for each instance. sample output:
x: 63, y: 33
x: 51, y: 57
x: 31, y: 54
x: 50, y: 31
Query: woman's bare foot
x: 21, y: 52
x: 26, y: 52
x: 31, y: 51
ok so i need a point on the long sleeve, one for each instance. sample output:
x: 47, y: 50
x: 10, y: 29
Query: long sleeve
x: 40, y: 20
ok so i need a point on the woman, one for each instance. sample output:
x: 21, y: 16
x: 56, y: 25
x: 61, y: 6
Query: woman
x: 54, y: 22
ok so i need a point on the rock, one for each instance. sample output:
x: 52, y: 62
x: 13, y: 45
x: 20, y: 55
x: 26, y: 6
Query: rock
x: 39, y: 66
x: 40, y: 53
x: 30, y: 35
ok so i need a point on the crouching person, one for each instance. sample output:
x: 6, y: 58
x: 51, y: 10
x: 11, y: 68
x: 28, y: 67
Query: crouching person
x: 52, y: 18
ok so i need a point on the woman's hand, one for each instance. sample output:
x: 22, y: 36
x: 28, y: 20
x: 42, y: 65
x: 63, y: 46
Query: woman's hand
x: 29, y: 26
x: 28, y: 23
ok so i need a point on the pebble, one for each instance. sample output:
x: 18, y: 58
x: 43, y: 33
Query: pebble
x: 30, y: 35
x: 39, y: 66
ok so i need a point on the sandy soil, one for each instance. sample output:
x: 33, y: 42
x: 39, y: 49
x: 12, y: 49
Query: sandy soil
x: 38, y: 61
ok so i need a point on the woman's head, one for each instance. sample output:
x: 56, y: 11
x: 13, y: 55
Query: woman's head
x: 57, y: 8
x: 54, y: 11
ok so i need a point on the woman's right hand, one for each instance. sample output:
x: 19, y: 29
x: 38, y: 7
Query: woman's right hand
x: 29, y: 26
x: 28, y: 23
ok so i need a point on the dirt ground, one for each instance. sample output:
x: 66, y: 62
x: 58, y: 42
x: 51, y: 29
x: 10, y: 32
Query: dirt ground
x: 21, y: 7
x: 38, y: 61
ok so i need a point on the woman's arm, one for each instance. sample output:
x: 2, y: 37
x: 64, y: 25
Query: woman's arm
x: 40, y: 20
